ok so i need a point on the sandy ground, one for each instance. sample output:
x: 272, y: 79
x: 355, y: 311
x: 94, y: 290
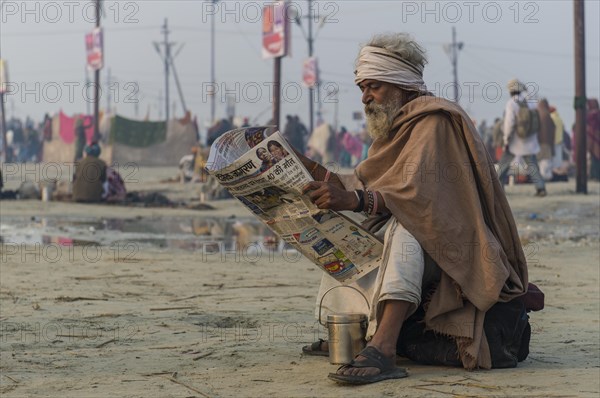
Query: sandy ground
x: 126, y: 318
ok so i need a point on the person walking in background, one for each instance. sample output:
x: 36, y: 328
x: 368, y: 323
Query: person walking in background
x: 80, y: 137
x: 302, y: 132
x: 354, y: 147
x: 523, y: 145
x: 560, y: 161
x: 295, y: 133
x: 593, y: 137
x: 546, y: 139
x: 340, y: 154
x: 289, y: 130
x: 497, y: 141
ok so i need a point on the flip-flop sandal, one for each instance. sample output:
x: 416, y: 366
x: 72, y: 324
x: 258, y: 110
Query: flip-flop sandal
x: 315, y: 349
x: 373, y: 359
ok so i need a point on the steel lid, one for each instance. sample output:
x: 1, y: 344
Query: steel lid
x: 348, y: 317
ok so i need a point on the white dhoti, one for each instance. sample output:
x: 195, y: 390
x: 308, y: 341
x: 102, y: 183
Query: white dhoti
x: 399, y: 277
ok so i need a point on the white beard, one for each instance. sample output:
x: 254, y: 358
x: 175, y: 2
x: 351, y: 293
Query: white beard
x: 380, y: 117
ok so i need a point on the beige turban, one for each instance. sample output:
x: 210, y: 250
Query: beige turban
x: 515, y: 86
x: 380, y: 64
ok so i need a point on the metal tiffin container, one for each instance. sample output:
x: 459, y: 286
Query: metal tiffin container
x: 347, y: 332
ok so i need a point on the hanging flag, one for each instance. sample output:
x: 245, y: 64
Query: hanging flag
x: 275, y: 31
x: 310, y: 72
x: 94, y: 49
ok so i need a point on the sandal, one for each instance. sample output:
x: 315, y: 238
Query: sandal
x: 315, y: 349
x: 373, y: 359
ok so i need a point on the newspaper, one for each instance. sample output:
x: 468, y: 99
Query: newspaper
x: 265, y: 174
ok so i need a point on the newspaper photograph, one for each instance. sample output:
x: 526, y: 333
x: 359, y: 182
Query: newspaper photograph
x: 264, y: 173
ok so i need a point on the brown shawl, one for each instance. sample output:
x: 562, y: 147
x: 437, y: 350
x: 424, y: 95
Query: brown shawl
x: 547, y: 131
x: 438, y: 180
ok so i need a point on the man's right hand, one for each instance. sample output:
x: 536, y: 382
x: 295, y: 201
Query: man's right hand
x: 328, y: 196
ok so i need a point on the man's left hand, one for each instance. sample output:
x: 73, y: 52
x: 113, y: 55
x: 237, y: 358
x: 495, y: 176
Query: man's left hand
x: 327, y: 196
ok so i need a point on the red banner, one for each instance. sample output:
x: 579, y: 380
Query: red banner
x: 94, y: 47
x: 310, y: 72
x: 275, y: 31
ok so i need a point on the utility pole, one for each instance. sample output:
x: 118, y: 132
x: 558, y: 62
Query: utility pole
x: 169, y: 64
x: 311, y: 91
x: 452, y: 51
x: 3, y: 75
x: 311, y: 39
x: 336, y: 110
x: 97, y: 84
x: 165, y: 31
x: 277, y: 91
x: 179, y: 90
x: 3, y: 122
x: 212, y: 66
x: 87, y: 85
x: 160, y: 104
x: 580, y: 96
x: 108, y: 88
x: 3, y: 83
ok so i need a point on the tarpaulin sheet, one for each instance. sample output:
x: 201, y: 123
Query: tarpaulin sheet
x: 138, y: 134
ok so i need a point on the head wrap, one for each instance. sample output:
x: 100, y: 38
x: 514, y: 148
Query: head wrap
x: 515, y: 86
x: 93, y: 149
x: 380, y: 64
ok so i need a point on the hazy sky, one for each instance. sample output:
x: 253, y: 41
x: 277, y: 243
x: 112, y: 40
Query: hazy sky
x: 43, y: 43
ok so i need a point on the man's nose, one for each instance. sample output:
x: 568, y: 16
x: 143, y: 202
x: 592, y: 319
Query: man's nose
x: 366, y: 97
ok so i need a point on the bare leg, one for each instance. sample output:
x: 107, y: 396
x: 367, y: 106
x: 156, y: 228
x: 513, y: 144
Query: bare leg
x: 385, y: 338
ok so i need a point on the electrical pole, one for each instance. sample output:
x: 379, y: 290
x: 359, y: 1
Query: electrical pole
x: 165, y: 31
x: 277, y: 91
x: 311, y: 91
x: 4, y: 157
x: 452, y: 51
x: 178, y: 87
x: 160, y: 104
x: 87, y: 85
x: 580, y: 97
x: 336, y: 110
x: 108, y: 88
x: 97, y: 84
x: 3, y: 83
x: 212, y: 67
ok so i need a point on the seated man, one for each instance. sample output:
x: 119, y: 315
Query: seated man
x: 453, y: 264
x: 90, y: 175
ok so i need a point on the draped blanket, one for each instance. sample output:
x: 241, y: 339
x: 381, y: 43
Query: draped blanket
x: 66, y: 128
x: 438, y: 180
x: 136, y: 133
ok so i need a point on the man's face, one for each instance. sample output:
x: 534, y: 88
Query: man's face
x: 376, y: 91
x: 382, y: 101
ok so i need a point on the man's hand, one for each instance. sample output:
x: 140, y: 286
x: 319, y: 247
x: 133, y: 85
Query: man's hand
x: 327, y: 196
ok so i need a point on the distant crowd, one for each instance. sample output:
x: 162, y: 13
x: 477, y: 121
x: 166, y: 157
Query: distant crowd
x: 24, y: 139
x: 548, y: 139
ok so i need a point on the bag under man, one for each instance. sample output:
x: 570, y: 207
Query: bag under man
x: 528, y: 120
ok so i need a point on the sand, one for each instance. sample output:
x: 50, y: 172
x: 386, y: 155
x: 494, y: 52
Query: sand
x: 132, y: 318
